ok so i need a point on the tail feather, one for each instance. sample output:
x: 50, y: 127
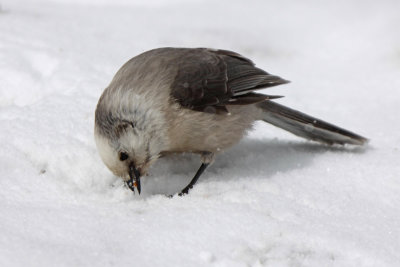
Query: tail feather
x: 306, y: 126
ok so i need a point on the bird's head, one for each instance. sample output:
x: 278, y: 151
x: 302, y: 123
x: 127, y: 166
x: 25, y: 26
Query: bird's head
x: 129, y: 138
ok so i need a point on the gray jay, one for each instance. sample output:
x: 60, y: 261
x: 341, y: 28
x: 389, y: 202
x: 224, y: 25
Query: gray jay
x: 197, y: 100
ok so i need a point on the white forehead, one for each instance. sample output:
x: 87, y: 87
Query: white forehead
x: 107, y: 153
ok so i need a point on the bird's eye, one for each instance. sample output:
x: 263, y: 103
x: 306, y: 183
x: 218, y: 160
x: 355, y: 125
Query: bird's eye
x: 123, y: 156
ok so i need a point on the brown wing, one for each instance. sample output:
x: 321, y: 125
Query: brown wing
x: 218, y: 78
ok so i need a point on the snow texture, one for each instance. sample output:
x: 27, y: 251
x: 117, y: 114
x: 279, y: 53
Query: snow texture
x: 272, y: 200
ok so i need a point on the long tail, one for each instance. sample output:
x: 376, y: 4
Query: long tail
x: 306, y: 126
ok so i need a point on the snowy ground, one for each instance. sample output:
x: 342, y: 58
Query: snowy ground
x: 273, y: 200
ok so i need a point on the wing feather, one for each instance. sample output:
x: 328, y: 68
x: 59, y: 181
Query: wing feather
x: 207, y: 77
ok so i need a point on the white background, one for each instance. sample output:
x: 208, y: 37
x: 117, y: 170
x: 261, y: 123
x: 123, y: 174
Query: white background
x: 272, y: 200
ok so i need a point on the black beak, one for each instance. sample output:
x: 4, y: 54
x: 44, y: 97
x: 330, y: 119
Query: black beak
x: 134, y: 180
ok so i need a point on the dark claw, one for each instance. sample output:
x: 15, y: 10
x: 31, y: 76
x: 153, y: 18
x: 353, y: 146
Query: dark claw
x: 185, y: 191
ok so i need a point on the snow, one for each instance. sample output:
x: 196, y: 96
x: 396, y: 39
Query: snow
x: 272, y: 200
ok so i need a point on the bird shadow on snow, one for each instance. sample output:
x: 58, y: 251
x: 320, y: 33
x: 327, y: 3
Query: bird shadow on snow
x: 251, y: 157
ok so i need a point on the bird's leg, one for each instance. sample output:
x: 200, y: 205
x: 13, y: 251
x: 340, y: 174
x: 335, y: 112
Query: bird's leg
x: 194, y: 180
x: 206, y: 158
